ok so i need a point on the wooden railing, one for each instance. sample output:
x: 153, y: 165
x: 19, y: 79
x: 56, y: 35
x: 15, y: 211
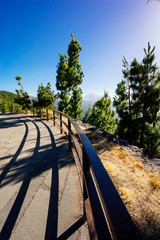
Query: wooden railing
x: 106, y: 214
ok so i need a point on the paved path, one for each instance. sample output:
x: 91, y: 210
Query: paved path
x: 40, y: 195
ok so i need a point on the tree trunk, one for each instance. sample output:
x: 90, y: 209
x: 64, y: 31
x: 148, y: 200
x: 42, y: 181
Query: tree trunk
x: 142, y: 129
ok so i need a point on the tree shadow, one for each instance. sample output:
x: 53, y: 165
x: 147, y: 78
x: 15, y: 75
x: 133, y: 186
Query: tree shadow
x: 11, y: 121
x: 148, y: 227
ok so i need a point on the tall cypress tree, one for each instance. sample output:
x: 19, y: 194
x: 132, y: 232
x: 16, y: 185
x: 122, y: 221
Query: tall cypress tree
x: 69, y: 77
x: 62, y: 84
x: 75, y: 78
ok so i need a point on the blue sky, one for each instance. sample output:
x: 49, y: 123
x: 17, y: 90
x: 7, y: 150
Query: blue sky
x: 33, y: 32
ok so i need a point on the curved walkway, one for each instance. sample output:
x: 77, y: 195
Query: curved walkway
x: 40, y: 195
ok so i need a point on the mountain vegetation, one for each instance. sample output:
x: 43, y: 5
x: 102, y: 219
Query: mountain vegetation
x: 8, y: 96
x: 101, y: 115
x: 7, y: 102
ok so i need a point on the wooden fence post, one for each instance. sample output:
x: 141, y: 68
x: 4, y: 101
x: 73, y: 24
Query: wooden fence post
x: 69, y: 135
x: 47, y: 113
x: 40, y: 113
x: 53, y: 117
x: 60, y: 117
x: 33, y: 108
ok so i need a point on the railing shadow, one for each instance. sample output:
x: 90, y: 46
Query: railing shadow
x: 28, y: 168
x: 9, y: 165
x: 14, y: 212
x: 72, y: 229
x: 16, y: 121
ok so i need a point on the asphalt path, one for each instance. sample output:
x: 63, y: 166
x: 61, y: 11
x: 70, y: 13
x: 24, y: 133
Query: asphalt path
x: 40, y: 196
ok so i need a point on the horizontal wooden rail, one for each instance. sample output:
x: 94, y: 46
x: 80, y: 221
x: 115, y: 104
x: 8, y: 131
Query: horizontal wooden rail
x: 106, y: 214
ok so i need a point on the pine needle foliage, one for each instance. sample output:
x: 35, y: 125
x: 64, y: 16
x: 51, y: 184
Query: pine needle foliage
x: 46, y: 96
x: 101, y: 115
x: 22, y: 97
x: 69, y: 77
x: 137, y: 102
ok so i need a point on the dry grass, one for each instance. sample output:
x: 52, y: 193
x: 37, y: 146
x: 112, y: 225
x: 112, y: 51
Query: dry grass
x: 154, y: 180
x: 138, y: 187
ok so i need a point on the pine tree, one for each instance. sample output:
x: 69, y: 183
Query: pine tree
x: 22, y: 96
x: 46, y: 96
x: 127, y: 120
x: 142, y: 77
x: 155, y: 107
x: 139, y: 117
x: 62, y: 84
x: 122, y: 109
x: 75, y: 107
x: 86, y: 118
x: 4, y: 106
x: 10, y: 107
x: 69, y: 77
x: 102, y: 116
x: 75, y: 78
x: 152, y: 140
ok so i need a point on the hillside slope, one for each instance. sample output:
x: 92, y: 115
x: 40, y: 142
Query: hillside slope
x: 137, y: 183
x: 7, y: 103
x: 8, y: 96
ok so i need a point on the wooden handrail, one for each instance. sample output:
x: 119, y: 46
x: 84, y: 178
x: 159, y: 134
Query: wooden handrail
x: 106, y: 213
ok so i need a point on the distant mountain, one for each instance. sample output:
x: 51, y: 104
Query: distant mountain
x: 89, y: 100
x: 91, y: 97
x: 33, y: 98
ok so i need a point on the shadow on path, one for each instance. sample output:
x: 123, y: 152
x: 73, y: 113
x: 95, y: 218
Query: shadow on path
x: 28, y: 168
x: 13, y: 215
x: 72, y: 229
x: 9, y: 165
x: 11, y: 121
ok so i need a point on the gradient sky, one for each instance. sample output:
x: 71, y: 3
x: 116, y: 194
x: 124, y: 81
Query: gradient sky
x: 33, y: 32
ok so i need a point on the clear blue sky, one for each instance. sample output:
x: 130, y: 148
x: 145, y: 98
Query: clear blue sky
x: 34, y: 31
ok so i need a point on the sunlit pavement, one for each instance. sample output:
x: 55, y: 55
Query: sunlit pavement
x: 40, y: 196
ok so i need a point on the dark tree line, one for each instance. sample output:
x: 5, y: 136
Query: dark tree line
x: 137, y: 102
